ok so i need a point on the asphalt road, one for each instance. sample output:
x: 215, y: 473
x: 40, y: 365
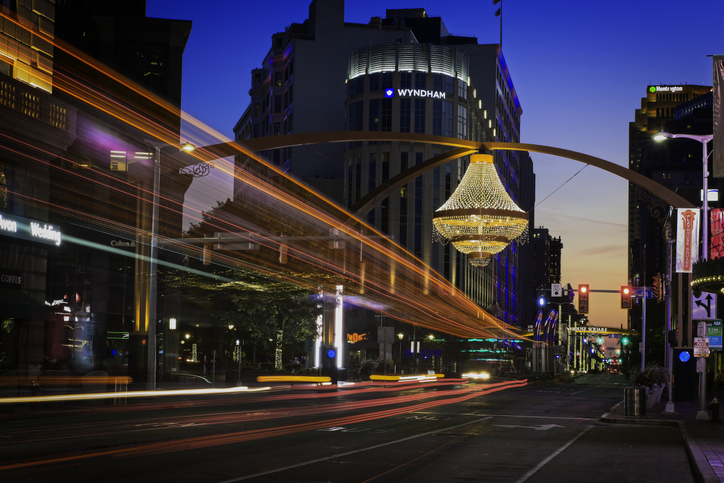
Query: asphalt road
x: 472, y: 432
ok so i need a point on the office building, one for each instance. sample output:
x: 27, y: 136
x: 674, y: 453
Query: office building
x: 326, y: 74
x: 69, y: 272
x: 676, y: 164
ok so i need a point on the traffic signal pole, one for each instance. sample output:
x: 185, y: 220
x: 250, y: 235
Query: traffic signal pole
x: 643, y: 332
x: 670, y: 344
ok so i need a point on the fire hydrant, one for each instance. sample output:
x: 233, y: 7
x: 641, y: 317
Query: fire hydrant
x: 714, y: 407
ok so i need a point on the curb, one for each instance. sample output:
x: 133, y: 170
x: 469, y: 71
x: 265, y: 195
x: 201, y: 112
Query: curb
x: 701, y: 468
x: 704, y: 472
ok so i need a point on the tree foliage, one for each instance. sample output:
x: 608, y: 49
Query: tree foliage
x: 264, y: 311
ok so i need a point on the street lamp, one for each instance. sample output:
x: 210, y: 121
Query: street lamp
x: 704, y: 140
x: 152, y: 269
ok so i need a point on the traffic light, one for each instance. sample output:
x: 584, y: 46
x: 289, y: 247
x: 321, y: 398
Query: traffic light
x: 624, y: 341
x: 626, y: 297
x: 583, y: 299
x: 658, y: 288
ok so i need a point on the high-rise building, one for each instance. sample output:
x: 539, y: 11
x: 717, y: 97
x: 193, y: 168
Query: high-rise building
x: 110, y: 290
x: 547, y: 251
x: 36, y: 127
x: 676, y: 164
x: 326, y: 74
x: 67, y: 290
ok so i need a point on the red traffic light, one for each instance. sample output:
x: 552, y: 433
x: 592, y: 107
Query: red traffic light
x: 583, y: 298
x: 626, y: 293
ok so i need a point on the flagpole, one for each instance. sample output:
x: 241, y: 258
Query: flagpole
x: 499, y: 13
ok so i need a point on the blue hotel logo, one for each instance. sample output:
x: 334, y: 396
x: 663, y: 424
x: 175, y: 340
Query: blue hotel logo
x: 389, y: 93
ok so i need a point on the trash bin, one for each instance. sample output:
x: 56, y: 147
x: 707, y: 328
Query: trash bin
x: 634, y: 401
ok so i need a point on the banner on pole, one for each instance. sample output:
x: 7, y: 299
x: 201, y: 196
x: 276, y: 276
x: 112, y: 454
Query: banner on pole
x: 716, y: 241
x: 718, y: 114
x: 687, y: 239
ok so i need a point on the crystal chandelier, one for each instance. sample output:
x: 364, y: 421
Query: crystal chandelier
x: 480, y: 218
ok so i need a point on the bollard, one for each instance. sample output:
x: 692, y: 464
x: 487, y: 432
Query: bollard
x: 714, y: 407
x: 634, y: 399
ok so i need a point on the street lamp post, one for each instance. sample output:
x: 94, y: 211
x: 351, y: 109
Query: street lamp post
x: 400, y: 336
x: 704, y: 140
x: 152, y: 265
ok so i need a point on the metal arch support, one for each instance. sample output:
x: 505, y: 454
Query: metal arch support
x: 303, y: 139
x: 377, y: 195
x: 364, y: 205
x: 636, y: 178
x: 380, y: 193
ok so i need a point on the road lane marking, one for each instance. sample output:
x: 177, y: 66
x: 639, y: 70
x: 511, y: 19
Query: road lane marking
x: 521, y: 416
x: 340, y: 455
x: 584, y: 390
x: 555, y: 453
x: 542, y: 427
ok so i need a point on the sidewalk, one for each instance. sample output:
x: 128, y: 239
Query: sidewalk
x: 704, y: 439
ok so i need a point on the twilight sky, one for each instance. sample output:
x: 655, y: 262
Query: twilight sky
x: 580, y: 70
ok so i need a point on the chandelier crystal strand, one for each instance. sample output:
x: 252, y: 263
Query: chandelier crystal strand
x: 480, y: 218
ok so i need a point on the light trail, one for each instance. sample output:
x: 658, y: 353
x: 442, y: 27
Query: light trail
x: 70, y: 431
x: 127, y: 394
x: 195, y: 443
x: 383, y: 273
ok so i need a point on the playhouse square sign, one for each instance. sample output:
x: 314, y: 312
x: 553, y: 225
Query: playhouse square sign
x: 31, y: 230
x: 593, y: 330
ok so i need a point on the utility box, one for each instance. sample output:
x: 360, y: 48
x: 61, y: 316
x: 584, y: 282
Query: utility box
x: 685, y: 376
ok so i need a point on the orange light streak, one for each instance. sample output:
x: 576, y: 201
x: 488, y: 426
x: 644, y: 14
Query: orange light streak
x: 417, y: 294
x: 194, y: 443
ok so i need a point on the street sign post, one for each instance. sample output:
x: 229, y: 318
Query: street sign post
x: 714, y: 333
x: 638, y: 292
x: 701, y: 365
x: 703, y: 306
x: 701, y: 347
